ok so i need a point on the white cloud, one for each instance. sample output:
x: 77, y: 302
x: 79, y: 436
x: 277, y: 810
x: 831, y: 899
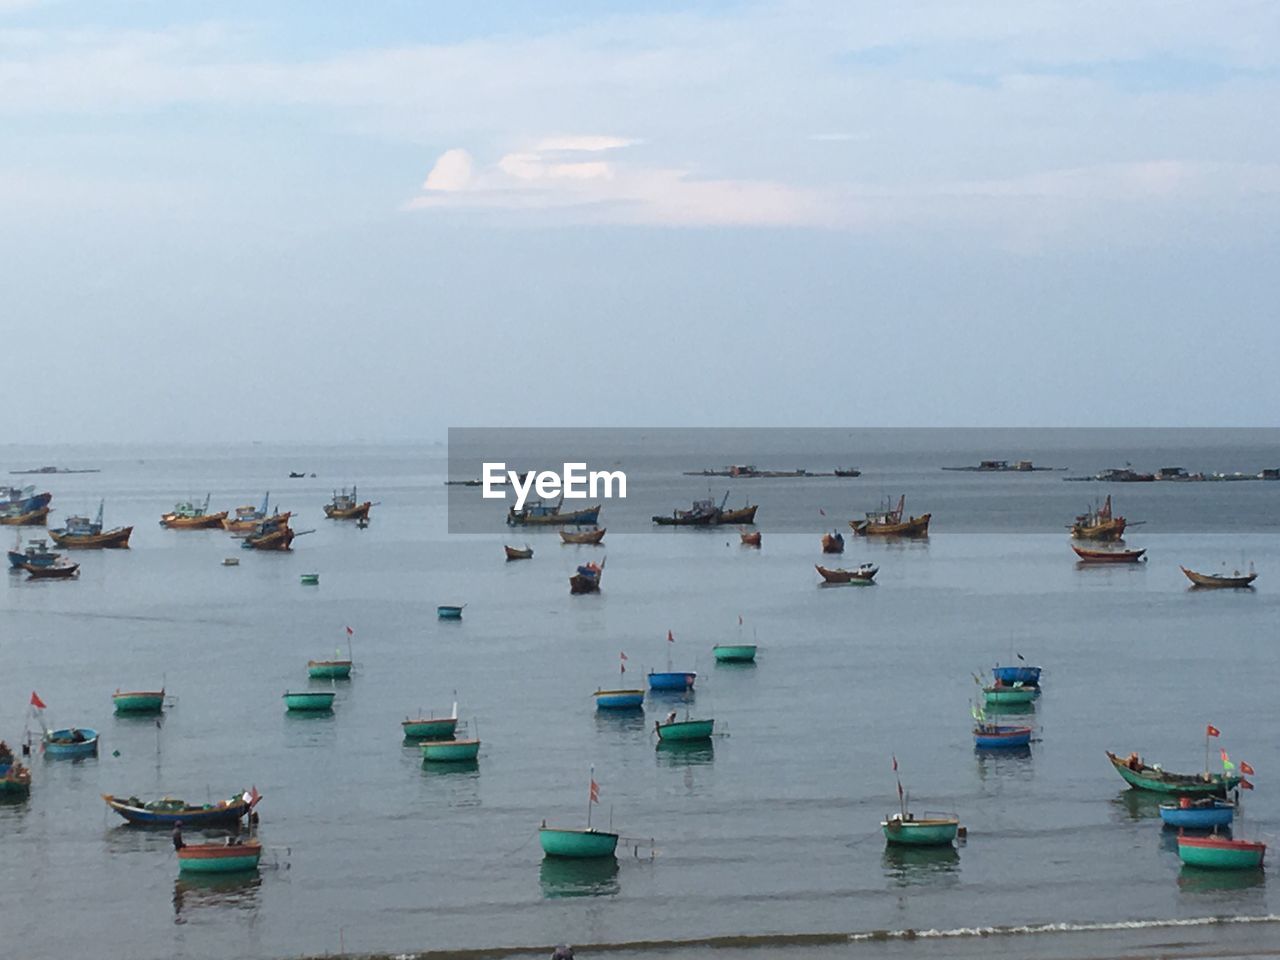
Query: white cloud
x: 451, y: 172
x: 589, y: 144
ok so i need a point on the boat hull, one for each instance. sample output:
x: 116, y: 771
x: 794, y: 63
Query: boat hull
x: 279, y: 539
x: 734, y: 652
x: 219, y: 857
x: 619, y: 699
x: 672, y: 680
x: 1214, y: 582
x: 839, y: 575
x: 329, y: 669
x: 591, y: 536
x: 88, y: 747
x: 1006, y: 695
x: 52, y: 571
x: 358, y: 512
x: 442, y: 728
x: 515, y: 554
x: 1011, y: 675
x: 997, y: 737
x: 684, y: 731
x: 1175, y: 784
x: 580, y: 844
x: 582, y: 584
x: 312, y: 701
x: 224, y: 813
x: 583, y: 518
x: 117, y: 539
x: 1107, y: 556
x: 914, y: 527
x: 1109, y: 530
x: 1217, y: 853
x: 449, y: 613
x: 208, y: 521
x: 1220, y: 814
x: 920, y: 833
x: 450, y: 751
x: 30, y: 518
x: 139, y: 701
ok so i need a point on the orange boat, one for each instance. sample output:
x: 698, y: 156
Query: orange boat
x: 345, y: 506
x: 188, y: 516
x: 750, y: 538
x: 81, y: 533
x: 889, y: 523
x: 832, y: 543
x: 583, y: 536
x: 515, y: 553
x: 1221, y: 580
x: 1087, y: 555
x: 248, y: 517
x: 272, y: 534
x: 1099, y: 524
x: 32, y: 518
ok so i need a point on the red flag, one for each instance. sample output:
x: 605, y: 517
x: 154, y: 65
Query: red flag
x: 1225, y: 758
x: 251, y: 797
x: 670, y: 638
x: 895, y: 764
x: 1246, y: 784
x: 1212, y: 731
x: 1245, y: 768
x: 622, y: 655
x: 899, y: 791
x: 36, y: 701
x: 350, y: 632
x: 595, y: 792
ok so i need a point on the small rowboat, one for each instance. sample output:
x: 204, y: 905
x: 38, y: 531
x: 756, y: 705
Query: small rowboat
x: 1219, y: 853
x: 1027, y: 676
x: 514, y: 553
x: 1088, y: 555
x: 587, y: 579
x: 734, y: 652
x: 138, y: 701
x: 429, y: 728
x: 683, y: 731
x: 619, y: 699
x: 864, y: 575
x: 309, y: 579
x: 1018, y: 693
x: 450, y: 751
x: 449, y: 612
x: 565, y: 842
x: 832, y: 543
x: 1142, y: 777
x: 995, y: 736
x: 329, y: 669
x: 924, y: 832
x: 672, y: 680
x: 1204, y: 814
x: 219, y: 857
x: 313, y: 700
x: 58, y: 570
x: 71, y: 742
x: 1237, y: 580
x: 750, y: 538
x: 583, y: 536
x: 167, y: 811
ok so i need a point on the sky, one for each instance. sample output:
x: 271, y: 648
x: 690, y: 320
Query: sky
x: 332, y: 221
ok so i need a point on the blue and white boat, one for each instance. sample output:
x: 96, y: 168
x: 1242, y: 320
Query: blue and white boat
x: 619, y: 699
x: 996, y: 736
x: 71, y: 742
x: 1027, y: 676
x: 22, y: 500
x: 37, y: 554
x: 1202, y: 814
x: 677, y: 680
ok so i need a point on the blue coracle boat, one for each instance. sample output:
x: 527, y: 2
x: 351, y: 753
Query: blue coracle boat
x: 619, y: 699
x: 449, y: 612
x: 1027, y: 676
x: 71, y: 742
x: 1198, y: 814
x: 672, y: 680
x: 995, y: 736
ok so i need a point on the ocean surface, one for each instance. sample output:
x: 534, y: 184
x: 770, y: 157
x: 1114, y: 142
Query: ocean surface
x: 773, y: 830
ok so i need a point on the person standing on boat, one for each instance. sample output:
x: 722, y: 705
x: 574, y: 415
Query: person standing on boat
x: 178, y: 842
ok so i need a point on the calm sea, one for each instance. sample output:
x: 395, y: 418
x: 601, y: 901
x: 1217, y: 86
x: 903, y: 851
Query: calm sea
x: 771, y: 830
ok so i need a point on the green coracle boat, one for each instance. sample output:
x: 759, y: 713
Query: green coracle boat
x: 430, y: 728
x: 219, y: 857
x: 309, y: 700
x: 1142, y: 777
x: 927, y: 832
x: 15, y: 782
x: 450, y: 751
x: 683, y: 731
x: 138, y: 701
x: 310, y: 579
x: 565, y: 842
x: 329, y: 669
x: 1008, y: 695
x: 734, y: 652
x: 1219, y: 853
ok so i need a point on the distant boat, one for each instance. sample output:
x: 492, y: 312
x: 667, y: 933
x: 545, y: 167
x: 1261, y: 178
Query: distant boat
x: 273, y: 533
x: 17, y: 517
x: 1028, y: 676
x: 450, y: 751
x: 1206, y: 813
x: 996, y: 736
x: 449, y: 612
x: 1098, y: 523
x: 1114, y: 555
x: 431, y: 728
x: 15, y: 780
x: 515, y: 553
x: 579, y: 844
x: 168, y: 811
x: 329, y: 669
x: 539, y: 514
x: 703, y: 513
x: 1219, y: 853
x: 47, y: 470
x: 683, y: 731
x: 746, y: 514
x: 248, y: 517
x: 138, y: 701
x: 347, y: 506
x: 587, y: 579
x: 23, y: 507
x: 619, y: 699
x: 231, y: 561
x: 583, y: 536
x: 847, y: 472
x: 832, y: 543
x: 37, y: 554
x: 672, y: 679
x: 309, y: 579
x: 864, y: 574
x: 70, y: 742
x: 189, y: 516
x: 81, y: 533
x: 1004, y: 466
x: 219, y: 857
x: 58, y: 570
x: 750, y: 538
x: 313, y: 700
x: 905, y: 829
x: 1140, y: 776
x: 734, y: 652
x: 888, y: 522
x: 1235, y: 580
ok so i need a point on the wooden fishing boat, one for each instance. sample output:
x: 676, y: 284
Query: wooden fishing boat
x: 565, y: 842
x: 188, y: 516
x: 1098, y: 523
x: 587, y: 579
x: 1207, y: 813
x: 1089, y: 555
x: 347, y: 506
x: 1027, y: 676
x: 832, y: 543
x: 745, y: 514
x: 15, y: 781
x: 539, y: 514
x: 1219, y: 853
x: 449, y: 612
x: 1140, y: 776
x: 37, y: 554
x: 313, y: 700
x: 70, y: 742
x: 138, y: 701
x: 583, y: 536
x: 750, y: 538
x: 864, y: 574
x: 889, y: 522
x: 22, y: 499
x: 514, y: 553
x: 81, y: 533
x: 24, y: 518
x: 996, y: 736
x: 167, y: 811
x: 908, y: 830
x: 59, y: 570
x: 672, y: 679
x: 683, y: 731
x: 734, y: 652
x: 703, y: 513
x: 329, y: 669
x: 1219, y: 580
x: 1013, y: 693
x: 619, y: 699
x: 248, y: 517
x: 219, y: 857
x: 450, y: 751
x: 272, y: 534
x: 431, y: 728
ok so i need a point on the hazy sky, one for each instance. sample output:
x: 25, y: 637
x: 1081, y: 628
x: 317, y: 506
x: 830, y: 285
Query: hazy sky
x: 334, y: 220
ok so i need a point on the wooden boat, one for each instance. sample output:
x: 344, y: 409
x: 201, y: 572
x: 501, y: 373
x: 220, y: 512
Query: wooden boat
x: 832, y: 543
x: 703, y: 513
x: 1142, y: 777
x: 450, y: 751
x: 750, y: 538
x: 908, y: 830
x: 734, y: 652
x: 70, y: 742
x: 1014, y: 693
x: 888, y: 522
x: 347, y: 506
x: 1219, y: 853
x: 1219, y: 580
x: 24, y: 518
x: 619, y: 699
x: 565, y: 842
x: 583, y: 536
x: 1206, y: 813
x: 1089, y: 555
x: 449, y: 612
x: 514, y: 553
x: 138, y: 701
x: 59, y: 570
x: 272, y: 534
x: 865, y: 574
x: 745, y: 514
x: 1098, y: 523
x: 683, y: 731
x: 37, y: 554
x: 587, y: 579
x: 996, y: 736
x: 81, y: 533
x: 847, y: 472
x: 539, y: 514
x: 15, y: 781
x: 309, y: 700
x: 431, y: 728
x: 189, y: 516
x: 329, y: 669
x: 248, y: 517
x: 22, y: 499
x: 167, y: 811
x: 672, y: 679
x: 219, y: 857
x: 1027, y: 676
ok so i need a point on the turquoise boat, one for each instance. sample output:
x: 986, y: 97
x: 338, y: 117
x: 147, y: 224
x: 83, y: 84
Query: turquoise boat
x: 310, y: 579
x: 139, y: 701
x: 71, y: 742
x: 1000, y: 694
x: 683, y: 731
x: 734, y: 652
x: 309, y: 700
x: 329, y: 669
x: 926, y: 832
x: 430, y: 728
x: 450, y: 751
x: 1219, y: 853
x: 619, y: 699
x: 449, y: 612
x: 219, y: 857
x: 1142, y: 777
x: 565, y: 842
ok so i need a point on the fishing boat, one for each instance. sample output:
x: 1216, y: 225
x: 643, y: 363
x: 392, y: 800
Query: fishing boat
x: 746, y: 514
x: 347, y: 506
x: 1112, y: 555
x: 587, y: 579
x: 1219, y: 853
x: 58, y: 570
x: 889, y: 522
x: 167, y: 811
x: 847, y: 472
x: 329, y: 669
x: 832, y: 543
x: 70, y: 742
x: 16, y: 517
x: 906, y: 829
x: 567, y: 842
x: 81, y: 533
x: 450, y: 751
x: 231, y: 561
x: 15, y: 781
x: 248, y: 517
x: 431, y: 728
x: 583, y: 536
x: 619, y: 699
x: 449, y: 612
x: 750, y: 538
x: 138, y: 701
x: 1141, y: 776
x: 273, y: 533
x: 313, y: 700
x: 734, y: 652
x: 23, y: 507
x: 1219, y: 580
x: 682, y: 731
x: 515, y: 553
x: 1098, y: 523
x: 190, y: 516
x: 1207, y: 813
x: 997, y: 736
x: 703, y: 513
x: 536, y: 513
x: 1027, y: 676
x: 864, y: 574
x: 671, y: 679
x: 1010, y: 693
x: 219, y: 857
x: 37, y: 554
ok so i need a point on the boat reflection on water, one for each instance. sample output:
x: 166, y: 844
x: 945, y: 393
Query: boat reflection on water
x: 1196, y: 880
x: 567, y: 877
x: 468, y: 769
x: 236, y: 890
x: 910, y: 866
x: 1014, y: 762
x: 625, y: 726
x: 689, y: 753
x: 1140, y: 804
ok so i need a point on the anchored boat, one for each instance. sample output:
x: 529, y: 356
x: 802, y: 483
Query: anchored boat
x: 1235, y: 580
x: 248, y: 517
x: 515, y: 553
x: 1207, y: 813
x: 587, y: 579
x: 583, y: 536
x: 347, y: 506
x: 219, y: 857
x: 588, y: 843
x: 734, y: 652
x: 138, y: 701
x: 329, y: 669
x: 450, y: 751
x: 1140, y: 776
x: 431, y: 728
x: 70, y: 742
x: 864, y: 575
x: 58, y: 570
x: 37, y: 554
x: 1219, y: 853
x: 996, y: 736
x: 1010, y: 693
x: 81, y: 533
x: 309, y: 700
x: 167, y: 811
x: 833, y: 542
x: 1098, y: 523
x: 750, y: 538
x: 536, y: 513
x: 1114, y: 555
x: 889, y: 522
x: 905, y: 829
x: 188, y: 516
x: 672, y: 730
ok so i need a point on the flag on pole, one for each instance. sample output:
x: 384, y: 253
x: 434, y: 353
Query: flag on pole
x: 623, y: 663
x: 36, y: 701
x: 1212, y: 731
x: 1245, y: 768
x: 895, y: 764
x: 1226, y: 762
x: 1246, y: 785
x: 350, y: 632
x: 670, y: 637
x: 595, y: 791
